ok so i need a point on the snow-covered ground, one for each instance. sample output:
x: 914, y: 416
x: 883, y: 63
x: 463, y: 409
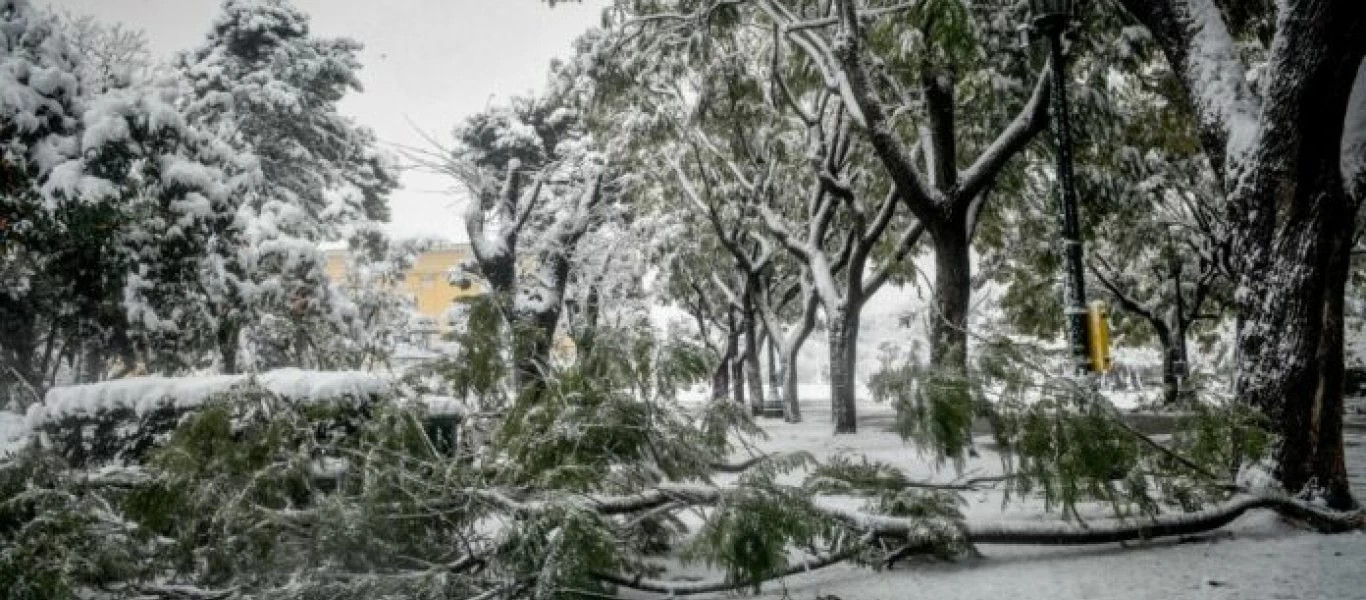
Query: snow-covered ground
x: 1257, y: 557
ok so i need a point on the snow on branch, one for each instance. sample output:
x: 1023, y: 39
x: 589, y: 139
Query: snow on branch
x: 857, y: 87
x: 913, y: 532
x: 1031, y: 120
x: 1196, y: 40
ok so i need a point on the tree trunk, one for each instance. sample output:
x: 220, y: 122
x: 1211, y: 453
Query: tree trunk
x: 229, y: 334
x: 792, y: 410
x: 774, y: 371
x: 1172, y: 342
x: 720, y: 378
x: 1329, y: 463
x: 1296, y: 225
x: 1293, y: 357
x: 1289, y: 214
x: 533, y: 335
x: 754, y: 375
x: 1174, y: 371
x: 1171, y: 380
x: 952, y: 294
x: 737, y: 377
x: 92, y: 364
x: 843, y: 358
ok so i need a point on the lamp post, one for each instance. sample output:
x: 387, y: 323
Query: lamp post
x: 1051, y: 18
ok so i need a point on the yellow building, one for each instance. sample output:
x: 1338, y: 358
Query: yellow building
x: 428, y: 282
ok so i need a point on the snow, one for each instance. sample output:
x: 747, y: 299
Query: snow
x: 1354, y: 130
x: 143, y: 394
x: 1218, y: 78
x: 444, y: 405
x: 1258, y: 556
x: 13, y: 431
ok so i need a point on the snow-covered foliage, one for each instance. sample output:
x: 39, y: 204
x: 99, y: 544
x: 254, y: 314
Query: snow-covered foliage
x: 263, y: 80
x: 142, y: 395
x: 150, y: 198
x: 697, y: 190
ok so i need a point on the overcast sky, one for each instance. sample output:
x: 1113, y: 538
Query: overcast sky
x: 427, y: 62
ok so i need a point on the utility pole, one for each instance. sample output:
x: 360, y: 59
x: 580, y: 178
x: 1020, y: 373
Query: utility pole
x: 1051, y: 19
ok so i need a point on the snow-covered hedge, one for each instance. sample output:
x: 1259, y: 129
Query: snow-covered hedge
x: 121, y: 420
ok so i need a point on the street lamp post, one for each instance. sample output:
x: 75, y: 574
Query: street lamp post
x: 1051, y: 18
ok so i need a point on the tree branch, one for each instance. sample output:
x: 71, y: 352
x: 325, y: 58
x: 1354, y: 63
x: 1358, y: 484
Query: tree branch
x: 856, y: 84
x: 1196, y: 41
x: 1031, y: 120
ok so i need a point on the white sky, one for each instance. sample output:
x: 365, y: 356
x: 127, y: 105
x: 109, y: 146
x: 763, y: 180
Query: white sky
x: 428, y: 63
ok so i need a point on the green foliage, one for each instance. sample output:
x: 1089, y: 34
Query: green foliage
x: 612, y: 421
x: 56, y: 536
x: 557, y: 550
x: 1061, y: 439
x: 479, y: 367
x: 752, y: 528
x: 842, y: 475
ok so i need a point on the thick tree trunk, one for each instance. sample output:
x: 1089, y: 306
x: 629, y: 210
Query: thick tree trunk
x: 533, y: 335
x: 1278, y: 154
x: 843, y: 358
x: 1293, y: 358
x: 952, y: 294
x: 1297, y: 225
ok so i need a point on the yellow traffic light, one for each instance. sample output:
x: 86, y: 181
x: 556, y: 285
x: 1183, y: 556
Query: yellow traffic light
x: 1098, y: 334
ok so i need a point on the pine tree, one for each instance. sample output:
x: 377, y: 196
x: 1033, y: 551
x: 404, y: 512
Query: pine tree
x: 265, y: 81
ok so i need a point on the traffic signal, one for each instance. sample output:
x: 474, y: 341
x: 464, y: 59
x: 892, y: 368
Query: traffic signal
x: 1098, y: 336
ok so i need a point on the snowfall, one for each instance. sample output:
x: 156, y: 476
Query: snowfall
x: 1257, y: 557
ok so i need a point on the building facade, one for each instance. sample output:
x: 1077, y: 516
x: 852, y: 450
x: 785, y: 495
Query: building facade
x: 430, y: 283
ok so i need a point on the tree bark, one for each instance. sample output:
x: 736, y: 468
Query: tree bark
x: 229, y: 333
x: 792, y: 410
x: 533, y: 338
x: 1278, y: 154
x: 753, y: 367
x: 1171, y: 381
x: 720, y: 378
x: 737, y: 377
x: 843, y: 360
x: 952, y: 294
x: 1296, y: 241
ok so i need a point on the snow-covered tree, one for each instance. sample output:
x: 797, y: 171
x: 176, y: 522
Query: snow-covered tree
x: 1271, y: 120
x: 531, y: 173
x: 118, y: 212
x: 262, y: 79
